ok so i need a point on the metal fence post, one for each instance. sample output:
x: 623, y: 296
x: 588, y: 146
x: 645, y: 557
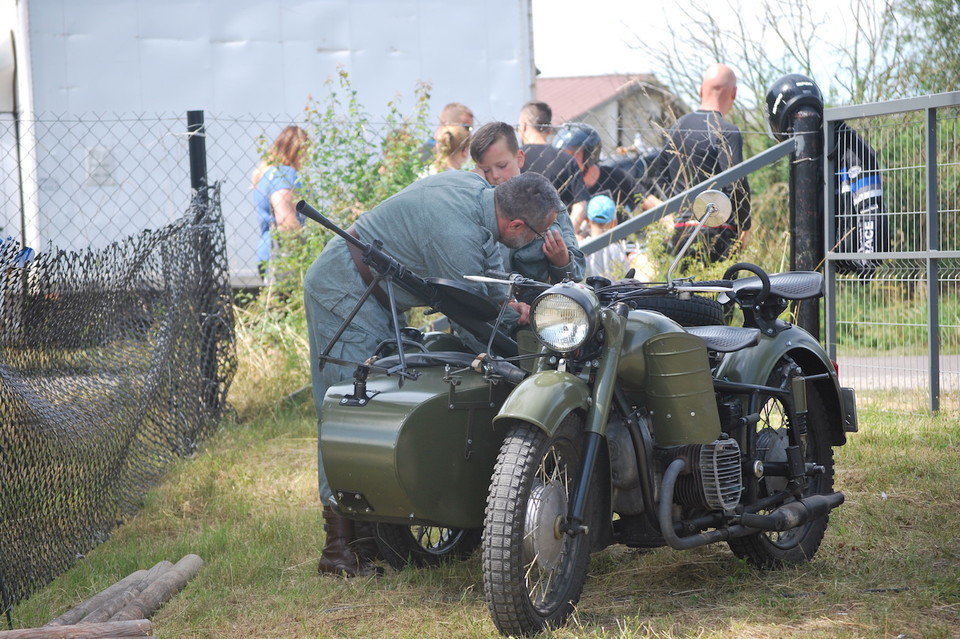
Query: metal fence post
x: 933, y: 263
x: 828, y: 189
x: 197, y: 142
x: 197, y: 145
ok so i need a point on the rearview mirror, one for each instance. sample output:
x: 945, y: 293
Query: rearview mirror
x: 710, y: 208
x: 713, y: 207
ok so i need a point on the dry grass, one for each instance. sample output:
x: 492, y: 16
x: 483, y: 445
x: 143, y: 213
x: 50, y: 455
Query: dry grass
x: 273, y: 356
x: 889, y: 567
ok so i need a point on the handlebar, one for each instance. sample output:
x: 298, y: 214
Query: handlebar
x: 756, y: 270
x: 499, y: 275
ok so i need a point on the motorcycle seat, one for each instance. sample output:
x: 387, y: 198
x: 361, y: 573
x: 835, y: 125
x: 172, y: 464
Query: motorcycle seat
x: 793, y: 285
x: 726, y: 339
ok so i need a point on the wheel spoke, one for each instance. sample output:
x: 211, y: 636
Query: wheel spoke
x: 774, y: 549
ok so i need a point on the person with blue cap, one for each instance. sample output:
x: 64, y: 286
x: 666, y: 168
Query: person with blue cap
x: 611, y: 260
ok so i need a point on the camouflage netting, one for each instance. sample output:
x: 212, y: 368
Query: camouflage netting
x: 112, y: 364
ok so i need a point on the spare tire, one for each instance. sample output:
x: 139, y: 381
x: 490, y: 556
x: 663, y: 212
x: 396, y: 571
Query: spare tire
x: 687, y: 311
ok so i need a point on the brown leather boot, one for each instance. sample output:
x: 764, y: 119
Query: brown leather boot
x: 365, y: 543
x: 338, y: 556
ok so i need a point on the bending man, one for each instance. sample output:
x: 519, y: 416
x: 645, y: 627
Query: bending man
x: 447, y: 225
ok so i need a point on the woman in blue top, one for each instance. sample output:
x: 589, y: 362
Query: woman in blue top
x: 274, y: 182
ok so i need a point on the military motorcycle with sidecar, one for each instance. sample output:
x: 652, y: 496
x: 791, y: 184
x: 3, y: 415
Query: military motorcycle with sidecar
x: 627, y: 413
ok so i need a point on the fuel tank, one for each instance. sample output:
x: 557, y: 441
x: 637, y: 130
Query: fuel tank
x: 420, y: 454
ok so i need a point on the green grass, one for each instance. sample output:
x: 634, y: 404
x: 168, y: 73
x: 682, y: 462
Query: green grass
x: 247, y: 504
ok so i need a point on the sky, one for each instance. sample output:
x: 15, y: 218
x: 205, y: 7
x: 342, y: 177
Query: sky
x: 570, y: 39
x: 590, y: 37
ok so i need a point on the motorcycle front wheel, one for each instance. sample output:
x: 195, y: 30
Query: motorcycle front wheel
x: 533, y: 571
x: 424, y: 546
x: 772, y: 550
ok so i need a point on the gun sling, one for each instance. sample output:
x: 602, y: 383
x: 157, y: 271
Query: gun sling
x: 365, y: 274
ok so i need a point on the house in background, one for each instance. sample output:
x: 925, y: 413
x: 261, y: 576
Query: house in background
x: 625, y: 109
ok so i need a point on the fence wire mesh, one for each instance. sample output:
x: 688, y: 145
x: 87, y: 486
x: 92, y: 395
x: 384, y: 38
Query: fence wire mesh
x: 92, y: 180
x: 113, y: 362
x: 74, y: 182
x: 897, y: 327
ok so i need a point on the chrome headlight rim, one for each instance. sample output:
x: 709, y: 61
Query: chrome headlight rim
x: 565, y: 335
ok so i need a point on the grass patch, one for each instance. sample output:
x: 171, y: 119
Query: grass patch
x: 247, y: 504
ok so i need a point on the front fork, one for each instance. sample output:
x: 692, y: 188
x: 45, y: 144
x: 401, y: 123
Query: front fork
x: 613, y: 320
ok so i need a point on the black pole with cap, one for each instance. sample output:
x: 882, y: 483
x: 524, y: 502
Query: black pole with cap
x: 806, y: 207
x: 794, y: 108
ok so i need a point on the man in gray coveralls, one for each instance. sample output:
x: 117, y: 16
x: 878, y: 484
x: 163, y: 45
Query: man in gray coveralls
x: 447, y: 225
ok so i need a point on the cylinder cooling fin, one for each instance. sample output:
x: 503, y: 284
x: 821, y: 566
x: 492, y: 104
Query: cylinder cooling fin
x: 715, y: 481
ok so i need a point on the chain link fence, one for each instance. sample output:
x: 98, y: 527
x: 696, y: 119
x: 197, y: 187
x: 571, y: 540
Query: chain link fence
x: 73, y: 183
x: 114, y: 361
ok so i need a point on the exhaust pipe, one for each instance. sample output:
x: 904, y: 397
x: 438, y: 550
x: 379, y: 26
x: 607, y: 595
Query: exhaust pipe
x: 783, y: 518
x: 795, y: 513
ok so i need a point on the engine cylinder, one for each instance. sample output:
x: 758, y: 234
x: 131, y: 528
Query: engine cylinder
x: 715, y: 480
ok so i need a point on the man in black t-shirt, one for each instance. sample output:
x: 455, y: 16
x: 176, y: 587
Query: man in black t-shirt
x: 555, y: 165
x: 700, y: 145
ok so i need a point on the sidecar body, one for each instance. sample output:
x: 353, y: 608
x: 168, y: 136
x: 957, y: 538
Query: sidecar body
x: 420, y: 453
x: 423, y: 452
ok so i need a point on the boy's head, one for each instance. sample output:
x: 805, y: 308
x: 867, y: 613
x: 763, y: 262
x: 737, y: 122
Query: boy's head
x: 495, y: 151
x: 602, y: 212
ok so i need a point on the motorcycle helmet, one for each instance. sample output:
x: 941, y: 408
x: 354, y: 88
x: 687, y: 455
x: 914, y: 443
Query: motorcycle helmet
x: 785, y: 97
x: 574, y: 136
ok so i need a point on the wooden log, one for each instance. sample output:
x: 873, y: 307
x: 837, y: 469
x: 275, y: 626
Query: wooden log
x: 124, y: 597
x: 89, y: 605
x: 133, y: 628
x: 161, y: 590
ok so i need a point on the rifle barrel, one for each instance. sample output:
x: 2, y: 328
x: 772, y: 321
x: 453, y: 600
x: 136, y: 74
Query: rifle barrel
x: 305, y: 209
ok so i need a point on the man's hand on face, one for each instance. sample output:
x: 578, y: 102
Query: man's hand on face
x: 523, y: 309
x: 554, y: 248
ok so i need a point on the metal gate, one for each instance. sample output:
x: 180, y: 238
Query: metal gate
x: 892, y: 197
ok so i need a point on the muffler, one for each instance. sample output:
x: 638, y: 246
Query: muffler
x: 794, y: 514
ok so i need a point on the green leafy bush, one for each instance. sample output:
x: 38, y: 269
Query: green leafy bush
x: 353, y: 163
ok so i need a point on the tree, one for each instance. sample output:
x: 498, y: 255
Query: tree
x: 933, y: 59
x: 856, y: 53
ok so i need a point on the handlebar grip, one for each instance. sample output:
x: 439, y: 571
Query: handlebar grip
x: 502, y: 275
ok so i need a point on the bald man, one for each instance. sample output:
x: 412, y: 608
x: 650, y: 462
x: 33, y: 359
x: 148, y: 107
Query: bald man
x: 700, y: 145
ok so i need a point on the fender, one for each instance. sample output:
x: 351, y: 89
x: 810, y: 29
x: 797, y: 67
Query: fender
x: 545, y: 398
x: 753, y: 365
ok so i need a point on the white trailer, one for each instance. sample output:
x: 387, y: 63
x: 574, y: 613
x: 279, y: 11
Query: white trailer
x: 75, y: 73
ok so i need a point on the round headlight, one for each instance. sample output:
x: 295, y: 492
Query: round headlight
x: 565, y: 316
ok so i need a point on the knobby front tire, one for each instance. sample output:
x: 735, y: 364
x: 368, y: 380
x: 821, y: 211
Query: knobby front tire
x: 533, y: 572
